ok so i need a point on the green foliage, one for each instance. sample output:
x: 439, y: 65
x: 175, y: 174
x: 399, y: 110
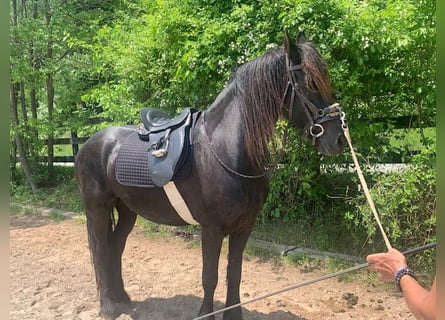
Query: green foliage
x: 406, y: 203
x: 59, y: 191
x: 294, y: 186
x: 111, y: 58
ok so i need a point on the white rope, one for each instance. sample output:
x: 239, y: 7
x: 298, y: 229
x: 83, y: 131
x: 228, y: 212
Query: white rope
x: 363, y: 182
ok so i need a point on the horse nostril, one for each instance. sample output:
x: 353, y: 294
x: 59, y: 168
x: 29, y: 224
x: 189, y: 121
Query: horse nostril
x: 341, y: 140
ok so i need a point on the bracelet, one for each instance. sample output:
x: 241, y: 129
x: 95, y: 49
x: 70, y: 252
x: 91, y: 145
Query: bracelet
x: 404, y: 271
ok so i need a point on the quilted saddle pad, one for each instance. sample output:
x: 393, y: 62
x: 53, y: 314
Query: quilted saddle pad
x: 132, y: 163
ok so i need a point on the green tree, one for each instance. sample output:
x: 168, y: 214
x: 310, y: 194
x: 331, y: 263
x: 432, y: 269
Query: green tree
x: 49, y: 62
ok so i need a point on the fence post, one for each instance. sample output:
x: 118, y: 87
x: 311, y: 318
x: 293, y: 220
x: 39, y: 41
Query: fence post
x: 74, y: 143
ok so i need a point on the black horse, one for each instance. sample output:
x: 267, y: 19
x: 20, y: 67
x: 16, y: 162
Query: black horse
x: 226, y: 186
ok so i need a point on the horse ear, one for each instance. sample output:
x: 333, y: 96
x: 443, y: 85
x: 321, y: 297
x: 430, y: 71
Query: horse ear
x: 286, y: 41
x: 291, y: 49
x: 301, y: 38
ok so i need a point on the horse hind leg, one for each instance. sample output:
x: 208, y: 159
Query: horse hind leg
x: 125, y: 224
x: 106, y: 246
x: 99, y: 226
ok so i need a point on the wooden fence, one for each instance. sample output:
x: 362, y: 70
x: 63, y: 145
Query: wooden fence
x: 75, y: 141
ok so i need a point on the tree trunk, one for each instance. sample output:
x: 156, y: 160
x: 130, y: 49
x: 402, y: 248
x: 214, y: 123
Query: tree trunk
x: 18, y: 141
x: 50, y: 104
x: 35, y: 68
x: 50, y: 89
x: 26, y: 144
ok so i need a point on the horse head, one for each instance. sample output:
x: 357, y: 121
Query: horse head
x: 309, y: 101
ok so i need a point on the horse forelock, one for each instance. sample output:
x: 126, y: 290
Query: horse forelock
x: 316, y: 71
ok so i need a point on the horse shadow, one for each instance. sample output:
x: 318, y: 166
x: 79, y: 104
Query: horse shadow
x: 185, y: 307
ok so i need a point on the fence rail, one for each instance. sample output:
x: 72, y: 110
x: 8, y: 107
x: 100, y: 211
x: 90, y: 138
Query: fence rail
x: 71, y: 141
x: 403, y: 122
x: 390, y: 157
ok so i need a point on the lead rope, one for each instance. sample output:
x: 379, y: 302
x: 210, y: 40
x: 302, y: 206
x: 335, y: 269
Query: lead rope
x: 362, y: 179
x: 308, y: 282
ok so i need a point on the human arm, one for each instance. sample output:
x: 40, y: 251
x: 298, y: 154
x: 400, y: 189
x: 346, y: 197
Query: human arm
x: 420, y: 301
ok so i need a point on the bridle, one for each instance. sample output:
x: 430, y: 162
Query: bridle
x: 314, y: 115
x: 313, y: 128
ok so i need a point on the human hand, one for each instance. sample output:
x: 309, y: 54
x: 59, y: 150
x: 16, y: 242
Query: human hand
x: 386, y: 264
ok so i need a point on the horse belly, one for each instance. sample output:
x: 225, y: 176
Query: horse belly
x: 151, y: 204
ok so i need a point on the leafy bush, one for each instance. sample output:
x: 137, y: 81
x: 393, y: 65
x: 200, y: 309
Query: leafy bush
x: 58, y: 192
x: 406, y: 204
x: 324, y: 204
x: 295, y: 189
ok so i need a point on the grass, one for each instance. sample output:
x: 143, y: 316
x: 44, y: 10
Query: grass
x: 56, y: 215
x: 318, y: 235
x: 262, y: 255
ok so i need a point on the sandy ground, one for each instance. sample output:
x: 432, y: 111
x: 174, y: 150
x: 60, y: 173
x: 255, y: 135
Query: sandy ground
x: 51, y: 277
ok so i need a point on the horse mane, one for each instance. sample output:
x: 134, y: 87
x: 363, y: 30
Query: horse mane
x: 261, y: 85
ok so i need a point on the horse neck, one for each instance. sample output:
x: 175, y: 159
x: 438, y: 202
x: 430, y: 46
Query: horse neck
x: 227, y: 130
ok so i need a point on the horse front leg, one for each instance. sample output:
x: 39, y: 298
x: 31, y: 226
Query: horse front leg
x: 212, y: 240
x: 237, y: 243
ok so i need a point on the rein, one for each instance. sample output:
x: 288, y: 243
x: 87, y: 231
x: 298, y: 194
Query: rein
x: 221, y: 162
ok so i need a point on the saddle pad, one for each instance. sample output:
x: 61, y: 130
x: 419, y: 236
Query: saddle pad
x: 132, y: 164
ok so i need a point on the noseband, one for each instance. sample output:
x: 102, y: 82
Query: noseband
x: 314, y: 115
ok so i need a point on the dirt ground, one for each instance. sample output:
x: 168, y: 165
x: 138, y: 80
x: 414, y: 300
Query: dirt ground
x: 51, y: 277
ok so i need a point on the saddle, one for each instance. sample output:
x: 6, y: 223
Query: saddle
x: 169, y: 141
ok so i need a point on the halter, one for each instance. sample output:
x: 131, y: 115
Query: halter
x: 314, y: 115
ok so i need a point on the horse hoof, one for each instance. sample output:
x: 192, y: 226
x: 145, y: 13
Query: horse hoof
x: 201, y: 313
x: 234, y: 314
x: 125, y: 307
x: 108, y: 316
x: 113, y: 310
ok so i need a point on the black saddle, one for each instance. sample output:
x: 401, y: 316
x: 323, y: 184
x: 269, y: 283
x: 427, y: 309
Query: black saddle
x: 169, y: 141
x: 155, y: 120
